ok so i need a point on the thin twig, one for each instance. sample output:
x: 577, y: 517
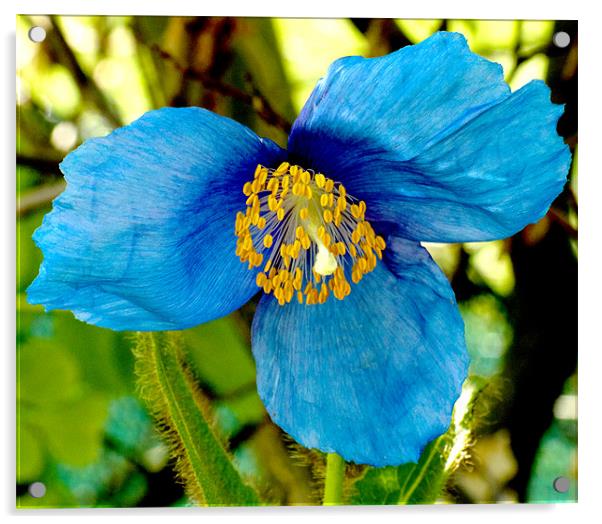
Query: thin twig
x: 256, y: 100
x: 561, y: 218
x: 523, y: 57
x: 38, y: 198
x: 86, y: 83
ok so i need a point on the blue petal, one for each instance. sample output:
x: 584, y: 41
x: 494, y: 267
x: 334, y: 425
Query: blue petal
x: 431, y: 138
x: 143, y: 238
x: 373, y: 377
x: 487, y: 180
x: 395, y: 104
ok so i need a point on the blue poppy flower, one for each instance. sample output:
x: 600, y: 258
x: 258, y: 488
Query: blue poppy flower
x: 357, y: 338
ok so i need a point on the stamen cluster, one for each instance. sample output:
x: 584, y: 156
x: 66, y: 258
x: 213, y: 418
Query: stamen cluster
x: 307, y: 232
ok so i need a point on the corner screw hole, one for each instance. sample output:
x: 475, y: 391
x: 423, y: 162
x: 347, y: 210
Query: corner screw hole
x: 561, y: 484
x: 37, y: 34
x: 561, y: 39
x: 37, y: 490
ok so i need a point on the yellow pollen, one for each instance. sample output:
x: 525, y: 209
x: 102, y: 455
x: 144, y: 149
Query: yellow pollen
x: 282, y: 168
x: 267, y: 241
x: 308, y: 233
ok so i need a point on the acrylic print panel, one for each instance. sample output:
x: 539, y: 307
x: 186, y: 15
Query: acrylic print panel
x: 255, y: 268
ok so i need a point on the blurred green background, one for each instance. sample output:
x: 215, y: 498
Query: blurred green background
x: 83, y: 431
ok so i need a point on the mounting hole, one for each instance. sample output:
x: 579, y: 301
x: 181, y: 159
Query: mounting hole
x: 37, y: 34
x: 561, y: 39
x: 37, y: 490
x: 561, y: 484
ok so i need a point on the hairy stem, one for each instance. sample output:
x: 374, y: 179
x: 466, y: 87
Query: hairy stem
x: 184, y: 418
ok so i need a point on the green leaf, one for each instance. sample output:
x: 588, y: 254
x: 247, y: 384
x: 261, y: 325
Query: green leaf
x: 68, y: 372
x: 65, y: 417
x: 220, y: 356
x: 406, y: 484
x: 234, y: 413
x: 47, y: 373
x: 422, y: 484
x: 337, y: 38
x: 30, y: 456
x: 103, y: 356
x: 73, y: 430
x: 28, y: 255
x: 185, y: 420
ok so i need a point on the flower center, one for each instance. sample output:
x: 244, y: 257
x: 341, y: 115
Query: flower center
x: 307, y: 232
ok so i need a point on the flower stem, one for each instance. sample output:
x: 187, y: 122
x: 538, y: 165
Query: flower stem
x: 335, y: 475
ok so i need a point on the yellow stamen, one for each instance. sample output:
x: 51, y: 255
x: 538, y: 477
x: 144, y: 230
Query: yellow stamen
x: 304, y: 228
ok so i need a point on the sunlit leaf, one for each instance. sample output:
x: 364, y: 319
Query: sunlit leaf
x: 536, y: 33
x: 418, y: 30
x: 492, y: 264
x: 533, y: 68
x: 324, y: 40
x: 55, y: 90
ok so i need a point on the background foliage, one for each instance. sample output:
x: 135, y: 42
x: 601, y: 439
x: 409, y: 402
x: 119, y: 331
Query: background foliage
x: 82, y: 427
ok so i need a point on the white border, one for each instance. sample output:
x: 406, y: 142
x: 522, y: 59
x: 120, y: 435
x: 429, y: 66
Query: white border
x: 509, y: 9
x: 590, y: 289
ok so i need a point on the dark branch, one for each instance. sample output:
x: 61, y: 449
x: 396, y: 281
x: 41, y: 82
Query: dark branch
x: 559, y: 217
x: 256, y: 99
x: 86, y: 84
x: 43, y: 165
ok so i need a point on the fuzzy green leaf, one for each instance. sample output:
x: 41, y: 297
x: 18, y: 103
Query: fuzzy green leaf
x: 184, y: 418
x: 406, y: 484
